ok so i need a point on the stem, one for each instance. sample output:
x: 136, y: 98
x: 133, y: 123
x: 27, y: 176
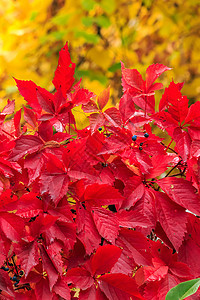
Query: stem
x: 145, y: 109
x: 173, y: 168
x: 69, y: 122
x: 12, y: 136
x: 14, y: 265
x: 168, y: 148
x: 169, y: 144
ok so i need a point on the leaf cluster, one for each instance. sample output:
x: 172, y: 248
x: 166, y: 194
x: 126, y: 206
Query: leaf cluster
x: 105, y: 212
x: 101, y: 34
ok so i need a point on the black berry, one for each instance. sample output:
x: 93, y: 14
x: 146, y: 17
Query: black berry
x: 100, y: 128
x: 134, y: 138
x: 146, y: 135
x: 140, y: 148
x: 141, y: 144
x: 14, y: 278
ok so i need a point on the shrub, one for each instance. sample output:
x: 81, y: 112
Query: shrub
x: 105, y: 212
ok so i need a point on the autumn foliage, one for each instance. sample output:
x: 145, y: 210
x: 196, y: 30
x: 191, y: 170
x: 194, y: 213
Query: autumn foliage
x: 106, y: 212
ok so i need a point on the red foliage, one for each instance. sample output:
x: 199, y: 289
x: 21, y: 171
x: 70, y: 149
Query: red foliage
x: 107, y: 212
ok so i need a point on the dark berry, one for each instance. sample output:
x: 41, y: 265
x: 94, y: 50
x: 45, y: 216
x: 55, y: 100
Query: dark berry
x: 141, y: 144
x: 140, y: 148
x: 146, y: 135
x: 134, y: 138
x: 14, y: 278
x: 4, y: 268
x: 16, y: 284
x: 104, y: 165
x: 100, y: 128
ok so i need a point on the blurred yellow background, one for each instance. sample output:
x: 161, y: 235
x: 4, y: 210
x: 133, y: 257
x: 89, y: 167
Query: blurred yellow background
x: 101, y: 33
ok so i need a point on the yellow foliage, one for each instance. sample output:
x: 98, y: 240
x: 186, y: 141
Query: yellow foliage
x: 101, y: 33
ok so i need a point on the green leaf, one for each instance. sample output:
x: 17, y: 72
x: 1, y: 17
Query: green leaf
x: 183, y: 290
x: 115, y: 67
x: 102, y: 21
x: 87, y: 21
x: 34, y: 15
x: 88, y: 4
x: 91, y: 75
x: 61, y: 20
x: 108, y: 6
x: 90, y: 38
x: 58, y: 35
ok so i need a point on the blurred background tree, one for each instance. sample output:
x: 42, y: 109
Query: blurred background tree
x: 101, y: 33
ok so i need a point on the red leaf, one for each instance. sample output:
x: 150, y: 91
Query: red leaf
x: 6, y: 285
x: 45, y: 102
x: 193, y: 113
x: 30, y: 117
x: 101, y: 194
x: 158, y: 290
x: 134, y: 245
x: 151, y: 274
x: 45, y: 131
x: 49, y: 267
x: 152, y: 73
x: 103, y: 98
x: 17, y: 124
x: 131, y: 78
x: 96, y: 120
x: 190, y: 249
x: 180, y: 269
x: 55, y: 181
x: 86, y: 229
x: 62, y: 289
x: 113, y: 145
x: 91, y: 294
x: 42, y: 290
x: 28, y: 90
x: 183, y: 143
x: 6, y: 198
x: 161, y: 163
x: 8, y: 223
x: 181, y: 192
x: 34, y: 164
x: 64, y: 74
x: 126, y: 107
x: 124, y: 265
x: 106, y: 223
x: 113, y: 116
x: 6, y: 167
x: 104, y: 259
x: 9, y: 108
x: 54, y: 251
x: 82, y: 96
x: 29, y: 256
x: 119, y: 286
x: 56, y: 185
x: 29, y: 206
x: 25, y: 144
x: 64, y: 231
x: 132, y: 219
x: 172, y: 218
x: 80, y: 277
